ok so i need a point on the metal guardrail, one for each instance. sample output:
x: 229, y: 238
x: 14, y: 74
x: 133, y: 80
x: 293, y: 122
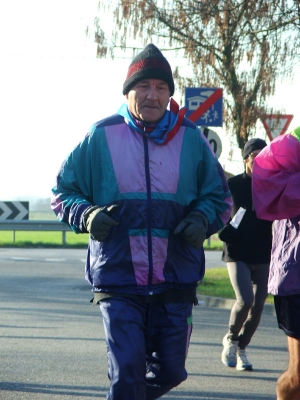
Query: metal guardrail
x: 34, y: 225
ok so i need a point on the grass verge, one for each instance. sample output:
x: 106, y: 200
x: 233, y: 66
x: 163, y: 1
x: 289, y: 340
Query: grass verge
x: 42, y: 239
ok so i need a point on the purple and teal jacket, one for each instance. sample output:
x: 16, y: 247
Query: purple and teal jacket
x: 155, y: 186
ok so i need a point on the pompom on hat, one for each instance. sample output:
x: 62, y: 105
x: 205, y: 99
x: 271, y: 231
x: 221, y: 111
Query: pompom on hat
x: 252, y: 145
x: 149, y: 64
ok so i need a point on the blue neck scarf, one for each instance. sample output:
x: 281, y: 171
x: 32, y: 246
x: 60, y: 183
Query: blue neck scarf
x: 159, y: 132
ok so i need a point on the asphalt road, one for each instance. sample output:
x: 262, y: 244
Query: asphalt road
x: 52, y: 342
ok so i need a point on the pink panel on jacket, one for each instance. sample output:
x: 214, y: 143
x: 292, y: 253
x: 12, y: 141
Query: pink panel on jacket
x: 164, y: 161
x: 139, y: 252
x: 159, y: 250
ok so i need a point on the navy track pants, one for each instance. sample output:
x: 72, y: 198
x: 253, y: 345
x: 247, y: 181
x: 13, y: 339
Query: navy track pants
x: 146, y: 346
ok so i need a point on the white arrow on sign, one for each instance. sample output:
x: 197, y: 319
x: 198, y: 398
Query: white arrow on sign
x: 23, y: 211
x: 6, y: 211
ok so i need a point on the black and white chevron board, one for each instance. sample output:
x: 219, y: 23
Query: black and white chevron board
x: 14, y: 210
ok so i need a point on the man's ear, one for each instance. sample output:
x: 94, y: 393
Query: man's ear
x: 126, y: 95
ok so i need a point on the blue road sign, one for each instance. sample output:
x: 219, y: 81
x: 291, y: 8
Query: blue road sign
x: 204, y: 106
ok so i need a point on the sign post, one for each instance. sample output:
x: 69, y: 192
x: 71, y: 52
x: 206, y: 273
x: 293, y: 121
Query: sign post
x: 276, y: 125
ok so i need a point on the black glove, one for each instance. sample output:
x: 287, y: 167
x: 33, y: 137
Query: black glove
x: 193, y: 228
x: 228, y: 234
x: 98, y: 222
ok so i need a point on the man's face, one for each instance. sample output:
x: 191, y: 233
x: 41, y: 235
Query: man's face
x: 148, y: 100
x: 249, y: 161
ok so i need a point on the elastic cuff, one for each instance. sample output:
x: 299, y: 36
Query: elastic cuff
x: 86, y: 214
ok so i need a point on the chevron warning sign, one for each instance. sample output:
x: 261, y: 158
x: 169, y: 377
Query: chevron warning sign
x: 14, y: 210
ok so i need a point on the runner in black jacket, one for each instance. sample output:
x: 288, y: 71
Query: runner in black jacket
x: 247, y: 252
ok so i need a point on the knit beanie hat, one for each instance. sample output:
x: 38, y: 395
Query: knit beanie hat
x: 149, y: 64
x: 253, y: 144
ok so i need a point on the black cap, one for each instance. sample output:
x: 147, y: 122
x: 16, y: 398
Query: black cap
x: 253, y: 144
x: 149, y: 64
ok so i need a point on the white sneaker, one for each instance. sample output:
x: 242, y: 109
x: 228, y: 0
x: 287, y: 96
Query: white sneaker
x: 242, y: 363
x: 229, y: 352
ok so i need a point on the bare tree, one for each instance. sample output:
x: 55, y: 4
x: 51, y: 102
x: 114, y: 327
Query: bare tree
x: 242, y: 46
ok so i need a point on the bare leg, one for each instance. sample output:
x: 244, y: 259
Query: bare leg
x: 288, y: 384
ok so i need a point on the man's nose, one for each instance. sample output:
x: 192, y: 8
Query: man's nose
x: 152, y: 93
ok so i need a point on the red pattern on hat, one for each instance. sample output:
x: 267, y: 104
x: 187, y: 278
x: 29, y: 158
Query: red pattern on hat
x: 147, y: 63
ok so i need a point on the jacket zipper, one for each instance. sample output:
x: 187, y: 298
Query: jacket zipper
x: 149, y: 213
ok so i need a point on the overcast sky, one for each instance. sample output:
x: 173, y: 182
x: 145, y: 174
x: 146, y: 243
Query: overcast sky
x: 52, y: 89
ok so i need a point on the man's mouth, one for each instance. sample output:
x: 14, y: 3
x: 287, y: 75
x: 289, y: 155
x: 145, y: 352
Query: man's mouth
x: 152, y: 107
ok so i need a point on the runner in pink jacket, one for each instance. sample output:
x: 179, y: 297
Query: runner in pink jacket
x: 276, y: 197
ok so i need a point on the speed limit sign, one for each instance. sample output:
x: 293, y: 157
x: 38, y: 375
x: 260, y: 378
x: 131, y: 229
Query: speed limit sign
x: 214, y: 140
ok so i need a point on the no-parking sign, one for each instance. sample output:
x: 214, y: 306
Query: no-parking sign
x: 204, y: 106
